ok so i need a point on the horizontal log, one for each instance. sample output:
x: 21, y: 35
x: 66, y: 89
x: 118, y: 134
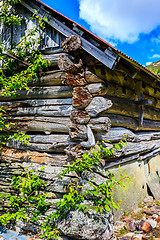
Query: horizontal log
x: 41, y: 92
x: 97, y: 89
x: 67, y: 64
x: 132, y: 123
x: 41, y: 124
x: 49, y: 78
x: 146, y: 84
x: 132, y: 148
x: 43, y: 143
x: 92, y: 78
x: 117, y: 133
x: 53, y: 58
x: 36, y: 103
x: 11, y: 155
x: 100, y: 124
x: 50, y: 111
x: 130, y: 108
x: 121, y: 161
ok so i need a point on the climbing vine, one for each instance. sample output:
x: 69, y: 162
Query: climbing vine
x: 30, y: 200
x: 24, y: 52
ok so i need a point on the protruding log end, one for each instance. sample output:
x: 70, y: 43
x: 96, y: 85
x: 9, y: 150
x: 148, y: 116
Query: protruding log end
x: 71, y: 44
x: 80, y: 116
x: 73, y: 79
x: 81, y: 97
x: 67, y: 65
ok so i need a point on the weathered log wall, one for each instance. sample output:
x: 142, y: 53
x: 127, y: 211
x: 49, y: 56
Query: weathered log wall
x: 66, y: 111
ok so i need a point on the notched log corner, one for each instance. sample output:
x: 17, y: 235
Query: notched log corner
x: 71, y: 44
x: 67, y: 65
x: 97, y: 89
x: 81, y: 97
x: 79, y: 116
x: 98, y: 105
x: 73, y: 79
x: 78, y: 132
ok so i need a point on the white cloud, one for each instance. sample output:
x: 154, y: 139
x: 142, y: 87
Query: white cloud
x: 148, y: 63
x: 155, y: 56
x: 121, y: 20
x: 156, y: 39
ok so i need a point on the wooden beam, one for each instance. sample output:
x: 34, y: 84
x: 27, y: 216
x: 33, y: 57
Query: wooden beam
x: 9, y: 54
x: 108, y: 57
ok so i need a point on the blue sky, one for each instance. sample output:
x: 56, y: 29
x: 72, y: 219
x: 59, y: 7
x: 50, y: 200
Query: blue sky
x: 132, y: 26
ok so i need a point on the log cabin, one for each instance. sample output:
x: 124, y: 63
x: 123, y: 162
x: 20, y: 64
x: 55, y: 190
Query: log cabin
x: 91, y: 92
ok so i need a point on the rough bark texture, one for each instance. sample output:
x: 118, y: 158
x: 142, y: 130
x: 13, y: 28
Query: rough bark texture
x: 73, y: 79
x: 81, y: 97
x: 71, y: 44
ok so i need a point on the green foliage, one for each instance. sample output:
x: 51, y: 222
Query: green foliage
x: 7, y: 14
x: 29, y: 203
x: 25, y: 51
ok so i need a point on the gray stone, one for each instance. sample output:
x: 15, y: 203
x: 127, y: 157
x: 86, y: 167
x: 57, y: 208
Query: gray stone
x: 88, y: 226
x: 154, y: 184
x: 152, y: 222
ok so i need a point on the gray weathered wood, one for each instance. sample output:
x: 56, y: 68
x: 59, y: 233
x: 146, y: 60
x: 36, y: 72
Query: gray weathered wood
x: 98, y: 105
x: 108, y: 58
x: 130, y: 108
x: 92, y: 78
x: 49, y: 78
x: 78, y: 132
x: 100, y: 124
x: 91, y: 139
x: 42, y: 92
x: 49, y: 111
x: 132, y: 123
x: 116, y: 134
x: 67, y: 65
x: 97, y: 89
x: 48, y: 125
x: 38, y: 107
x: 53, y: 58
x: 121, y: 161
x: 12, y: 155
x: 43, y: 143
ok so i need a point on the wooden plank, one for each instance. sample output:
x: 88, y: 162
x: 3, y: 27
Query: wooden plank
x: 108, y: 58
